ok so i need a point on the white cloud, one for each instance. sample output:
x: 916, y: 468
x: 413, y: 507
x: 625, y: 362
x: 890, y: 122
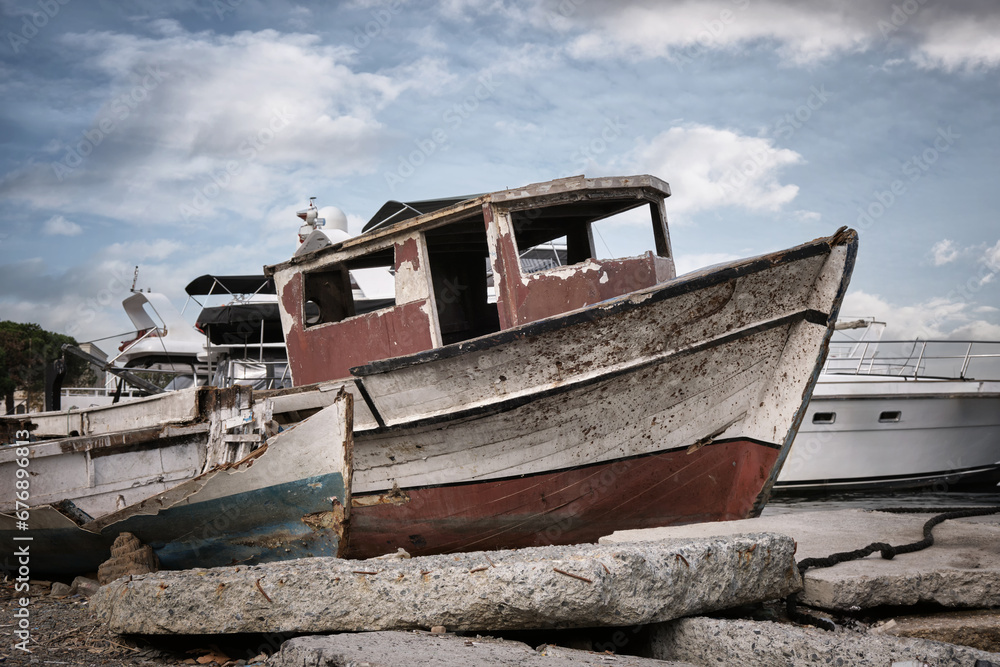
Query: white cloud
x: 992, y: 257
x: 280, y: 112
x: 989, y: 265
x: 514, y: 127
x: 944, y: 251
x: 953, y: 40
x: 962, y: 34
x: 681, y: 31
x: 986, y: 259
x: 936, y: 318
x: 709, y: 168
x: 977, y: 330
x: 891, y: 64
x: 57, y: 225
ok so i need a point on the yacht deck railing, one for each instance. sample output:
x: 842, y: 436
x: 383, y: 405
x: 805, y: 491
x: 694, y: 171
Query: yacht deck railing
x: 937, y: 359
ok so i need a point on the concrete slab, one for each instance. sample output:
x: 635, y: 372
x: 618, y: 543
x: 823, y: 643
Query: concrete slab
x: 961, y: 569
x: 709, y: 641
x: 978, y: 628
x: 542, y: 587
x: 404, y: 649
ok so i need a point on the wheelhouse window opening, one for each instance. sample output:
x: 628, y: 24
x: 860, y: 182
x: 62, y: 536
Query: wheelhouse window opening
x: 626, y: 234
x: 571, y: 233
x: 459, y: 259
x: 544, y: 256
x: 332, y: 295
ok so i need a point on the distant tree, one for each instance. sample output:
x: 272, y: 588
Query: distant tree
x: 8, y: 385
x: 25, y: 349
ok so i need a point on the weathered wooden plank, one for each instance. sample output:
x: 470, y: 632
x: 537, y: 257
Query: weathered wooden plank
x: 179, y: 406
x: 666, y: 406
x: 311, y: 398
x: 635, y: 337
x: 106, y: 472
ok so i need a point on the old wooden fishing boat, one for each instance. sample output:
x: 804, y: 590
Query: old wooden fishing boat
x: 500, y: 401
x: 499, y: 407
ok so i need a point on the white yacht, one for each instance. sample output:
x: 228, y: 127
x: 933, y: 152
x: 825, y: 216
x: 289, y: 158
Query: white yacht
x: 893, y: 414
x: 236, y: 337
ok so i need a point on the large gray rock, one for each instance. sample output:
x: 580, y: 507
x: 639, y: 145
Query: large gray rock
x: 708, y: 641
x: 961, y: 569
x: 404, y: 649
x: 542, y: 587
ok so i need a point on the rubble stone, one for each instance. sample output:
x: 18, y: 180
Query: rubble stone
x: 978, y: 628
x: 403, y: 649
x: 59, y: 590
x: 541, y: 587
x: 708, y: 641
x: 84, y: 586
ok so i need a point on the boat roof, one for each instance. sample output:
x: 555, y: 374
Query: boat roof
x: 392, y: 219
x: 394, y: 211
x: 209, y: 284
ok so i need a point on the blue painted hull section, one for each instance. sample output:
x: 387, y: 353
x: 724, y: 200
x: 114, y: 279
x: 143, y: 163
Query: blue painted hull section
x: 252, y: 527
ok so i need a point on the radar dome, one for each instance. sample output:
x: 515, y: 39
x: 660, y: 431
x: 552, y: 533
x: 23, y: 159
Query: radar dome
x: 335, y: 218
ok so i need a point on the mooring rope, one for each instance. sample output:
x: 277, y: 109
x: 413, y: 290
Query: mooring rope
x: 887, y: 551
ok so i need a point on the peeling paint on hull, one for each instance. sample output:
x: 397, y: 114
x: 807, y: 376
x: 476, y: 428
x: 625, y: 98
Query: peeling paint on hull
x: 490, y: 443
x: 253, y: 527
x: 717, y: 482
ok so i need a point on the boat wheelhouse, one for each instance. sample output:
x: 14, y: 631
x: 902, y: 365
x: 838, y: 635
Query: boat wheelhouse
x: 442, y: 262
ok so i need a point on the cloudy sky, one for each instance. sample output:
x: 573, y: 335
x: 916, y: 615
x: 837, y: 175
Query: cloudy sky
x: 181, y: 135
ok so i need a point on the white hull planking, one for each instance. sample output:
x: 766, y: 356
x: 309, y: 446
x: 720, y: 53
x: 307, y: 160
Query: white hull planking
x: 700, y: 386
x: 672, y: 405
x: 170, y: 407
x: 583, y: 352
x: 104, y: 473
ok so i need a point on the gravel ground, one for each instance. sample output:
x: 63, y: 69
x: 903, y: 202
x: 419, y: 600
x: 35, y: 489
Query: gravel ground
x: 65, y: 632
